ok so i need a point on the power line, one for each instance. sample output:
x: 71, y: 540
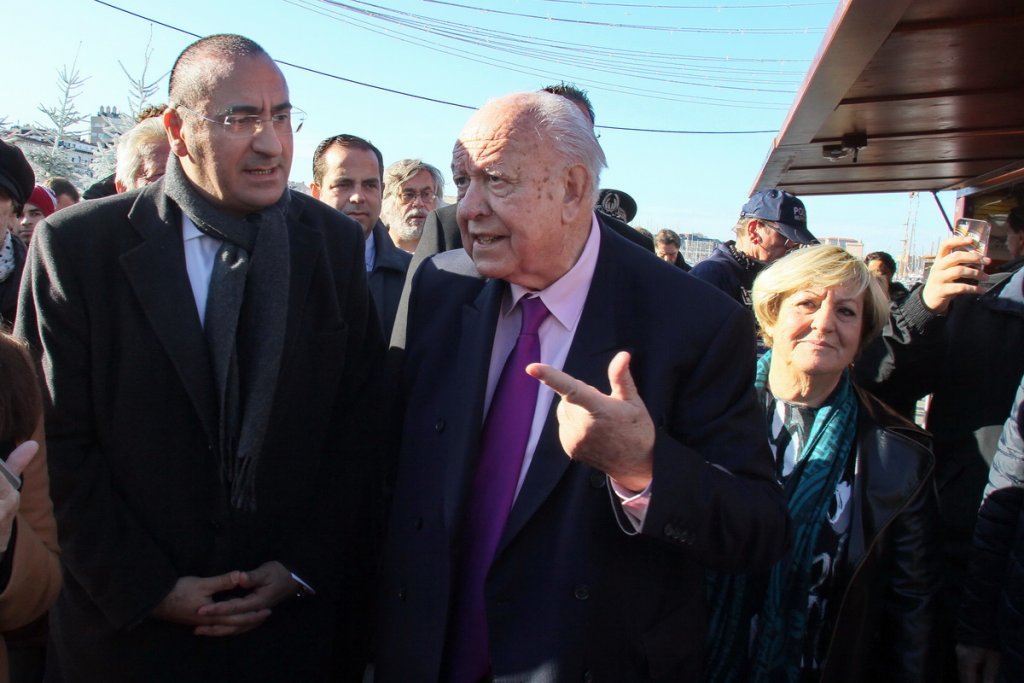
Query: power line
x: 461, y: 34
x: 638, y: 27
x: 716, y: 8
x: 424, y: 97
x: 495, y: 41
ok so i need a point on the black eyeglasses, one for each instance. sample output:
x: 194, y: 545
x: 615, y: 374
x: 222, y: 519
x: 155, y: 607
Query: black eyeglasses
x: 409, y: 196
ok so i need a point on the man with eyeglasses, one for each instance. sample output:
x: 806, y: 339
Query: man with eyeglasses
x: 412, y: 189
x: 771, y: 224
x: 212, y: 372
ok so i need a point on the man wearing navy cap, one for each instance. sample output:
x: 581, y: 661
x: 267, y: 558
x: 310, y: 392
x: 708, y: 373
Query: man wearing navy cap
x: 772, y: 223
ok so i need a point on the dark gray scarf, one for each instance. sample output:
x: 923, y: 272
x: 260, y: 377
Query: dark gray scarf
x: 246, y: 314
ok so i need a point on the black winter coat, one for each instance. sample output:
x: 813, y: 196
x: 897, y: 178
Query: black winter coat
x: 885, y: 625
x: 970, y: 361
x: 992, y: 612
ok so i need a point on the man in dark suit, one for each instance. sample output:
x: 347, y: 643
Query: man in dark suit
x: 537, y: 537
x: 348, y: 174
x: 210, y: 366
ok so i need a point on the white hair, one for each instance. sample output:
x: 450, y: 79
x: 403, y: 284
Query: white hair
x: 147, y: 133
x: 561, y: 123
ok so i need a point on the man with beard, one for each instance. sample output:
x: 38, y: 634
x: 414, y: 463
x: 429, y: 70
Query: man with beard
x: 412, y: 189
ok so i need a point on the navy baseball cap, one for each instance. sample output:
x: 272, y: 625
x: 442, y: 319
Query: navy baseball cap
x: 782, y: 208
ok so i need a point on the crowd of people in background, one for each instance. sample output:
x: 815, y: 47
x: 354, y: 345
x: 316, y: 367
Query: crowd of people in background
x: 365, y: 435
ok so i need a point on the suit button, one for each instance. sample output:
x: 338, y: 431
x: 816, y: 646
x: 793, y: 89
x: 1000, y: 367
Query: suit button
x: 418, y: 523
x: 588, y: 677
x: 439, y: 426
x: 401, y: 594
x: 597, y: 480
x: 581, y: 591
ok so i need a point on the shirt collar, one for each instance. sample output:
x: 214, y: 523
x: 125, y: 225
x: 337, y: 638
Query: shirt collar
x: 370, y: 252
x: 189, y: 231
x: 565, y: 296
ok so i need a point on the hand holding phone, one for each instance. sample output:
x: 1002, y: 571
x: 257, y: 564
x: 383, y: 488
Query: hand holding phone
x: 10, y: 501
x: 14, y: 464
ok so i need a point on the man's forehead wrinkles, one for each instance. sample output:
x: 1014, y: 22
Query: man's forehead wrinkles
x: 482, y: 151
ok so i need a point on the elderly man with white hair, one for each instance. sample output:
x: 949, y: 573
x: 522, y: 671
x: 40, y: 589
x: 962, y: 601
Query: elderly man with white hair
x: 412, y: 189
x: 578, y: 447
x: 141, y: 155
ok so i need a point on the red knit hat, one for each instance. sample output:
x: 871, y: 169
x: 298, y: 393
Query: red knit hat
x: 44, y: 199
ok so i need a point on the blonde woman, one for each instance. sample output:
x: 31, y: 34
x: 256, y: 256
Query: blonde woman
x: 854, y: 598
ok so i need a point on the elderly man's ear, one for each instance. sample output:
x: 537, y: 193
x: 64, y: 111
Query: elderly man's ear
x: 577, y: 196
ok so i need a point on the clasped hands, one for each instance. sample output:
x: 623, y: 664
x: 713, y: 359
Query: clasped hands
x: 192, y: 602
x: 612, y: 432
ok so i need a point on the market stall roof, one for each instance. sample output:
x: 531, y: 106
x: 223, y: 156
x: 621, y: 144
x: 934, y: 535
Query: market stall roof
x: 907, y: 95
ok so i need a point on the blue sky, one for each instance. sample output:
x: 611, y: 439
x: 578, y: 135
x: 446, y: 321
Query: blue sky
x: 696, y: 65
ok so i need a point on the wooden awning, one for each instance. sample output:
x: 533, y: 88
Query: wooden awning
x: 908, y: 95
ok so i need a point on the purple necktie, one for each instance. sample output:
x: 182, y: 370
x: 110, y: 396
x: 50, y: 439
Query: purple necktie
x: 502, y: 446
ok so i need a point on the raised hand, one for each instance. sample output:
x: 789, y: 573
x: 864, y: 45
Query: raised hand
x: 610, y: 432
x: 950, y: 266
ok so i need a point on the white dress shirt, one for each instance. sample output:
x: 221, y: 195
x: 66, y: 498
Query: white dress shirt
x: 200, y: 254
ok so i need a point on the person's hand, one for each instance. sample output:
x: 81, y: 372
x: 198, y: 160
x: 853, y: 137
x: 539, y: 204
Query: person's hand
x: 613, y: 433
x: 977, y: 664
x: 951, y: 265
x: 191, y: 594
x: 10, y: 498
x: 268, y: 584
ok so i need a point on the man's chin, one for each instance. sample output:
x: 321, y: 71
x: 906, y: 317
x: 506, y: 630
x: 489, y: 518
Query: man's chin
x: 410, y: 232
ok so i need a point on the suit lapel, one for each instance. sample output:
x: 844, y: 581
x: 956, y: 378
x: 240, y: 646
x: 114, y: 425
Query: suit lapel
x: 156, y: 271
x: 388, y: 255
x: 596, y: 341
x: 473, y: 357
x: 304, y: 253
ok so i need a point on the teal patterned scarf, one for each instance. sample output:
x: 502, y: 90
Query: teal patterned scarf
x: 779, y: 600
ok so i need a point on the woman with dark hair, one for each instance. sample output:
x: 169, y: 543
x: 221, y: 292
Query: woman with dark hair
x: 854, y: 598
x: 29, y: 566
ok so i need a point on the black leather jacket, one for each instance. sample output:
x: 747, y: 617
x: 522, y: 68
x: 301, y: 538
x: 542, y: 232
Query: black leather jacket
x: 884, y: 629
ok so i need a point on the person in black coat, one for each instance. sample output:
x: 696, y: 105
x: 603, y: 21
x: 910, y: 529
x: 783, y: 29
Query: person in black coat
x: 943, y: 341
x: 17, y: 181
x: 989, y: 633
x: 348, y: 174
x: 667, y: 247
x: 212, y: 418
